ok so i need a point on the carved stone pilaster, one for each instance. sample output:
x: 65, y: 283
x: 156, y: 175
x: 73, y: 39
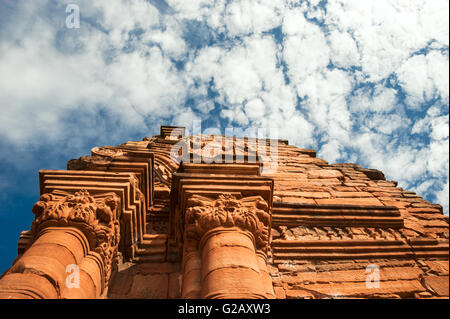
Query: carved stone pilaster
x: 96, y: 217
x: 249, y: 214
x: 222, y: 238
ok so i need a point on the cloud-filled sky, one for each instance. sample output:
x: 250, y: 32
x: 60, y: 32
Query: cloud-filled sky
x: 359, y: 81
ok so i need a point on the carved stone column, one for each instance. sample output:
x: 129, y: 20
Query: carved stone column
x: 227, y: 236
x: 75, y: 241
x: 265, y: 276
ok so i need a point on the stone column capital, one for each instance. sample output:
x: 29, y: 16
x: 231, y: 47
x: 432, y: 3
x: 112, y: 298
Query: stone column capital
x: 226, y: 210
x: 95, y: 216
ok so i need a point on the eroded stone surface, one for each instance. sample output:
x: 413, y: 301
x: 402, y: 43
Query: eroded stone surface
x: 148, y: 226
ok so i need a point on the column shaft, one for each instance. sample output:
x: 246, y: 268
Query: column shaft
x: 42, y: 271
x: 229, y: 265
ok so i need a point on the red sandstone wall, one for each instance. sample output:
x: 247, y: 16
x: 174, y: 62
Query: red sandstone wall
x: 148, y: 280
x: 328, y: 223
x: 410, y: 246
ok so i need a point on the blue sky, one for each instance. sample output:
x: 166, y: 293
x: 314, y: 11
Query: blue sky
x: 359, y: 81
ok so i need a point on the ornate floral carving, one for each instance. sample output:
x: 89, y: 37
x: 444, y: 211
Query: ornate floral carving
x: 95, y: 216
x: 249, y: 213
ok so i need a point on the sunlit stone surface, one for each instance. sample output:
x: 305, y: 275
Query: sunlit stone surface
x: 134, y: 221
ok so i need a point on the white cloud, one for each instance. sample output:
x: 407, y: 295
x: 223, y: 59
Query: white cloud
x: 387, y: 32
x: 424, y: 77
x: 344, y: 52
x: 255, y: 109
x: 439, y: 127
x: 391, y: 59
x: 442, y: 196
x: 306, y: 51
x: 383, y: 99
x: 40, y: 84
x: 385, y: 123
x: 251, y: 16
x: 143, y: 77
x: 433, y: 124
x: 325, y: 102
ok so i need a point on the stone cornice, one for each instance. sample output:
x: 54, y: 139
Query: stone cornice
x: 248, y: 213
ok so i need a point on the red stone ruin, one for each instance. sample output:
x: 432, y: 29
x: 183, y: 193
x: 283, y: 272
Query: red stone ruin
x: 134, y: 221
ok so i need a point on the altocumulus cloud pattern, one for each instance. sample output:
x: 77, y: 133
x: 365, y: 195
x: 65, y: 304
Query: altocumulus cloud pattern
x: 359, y: 81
